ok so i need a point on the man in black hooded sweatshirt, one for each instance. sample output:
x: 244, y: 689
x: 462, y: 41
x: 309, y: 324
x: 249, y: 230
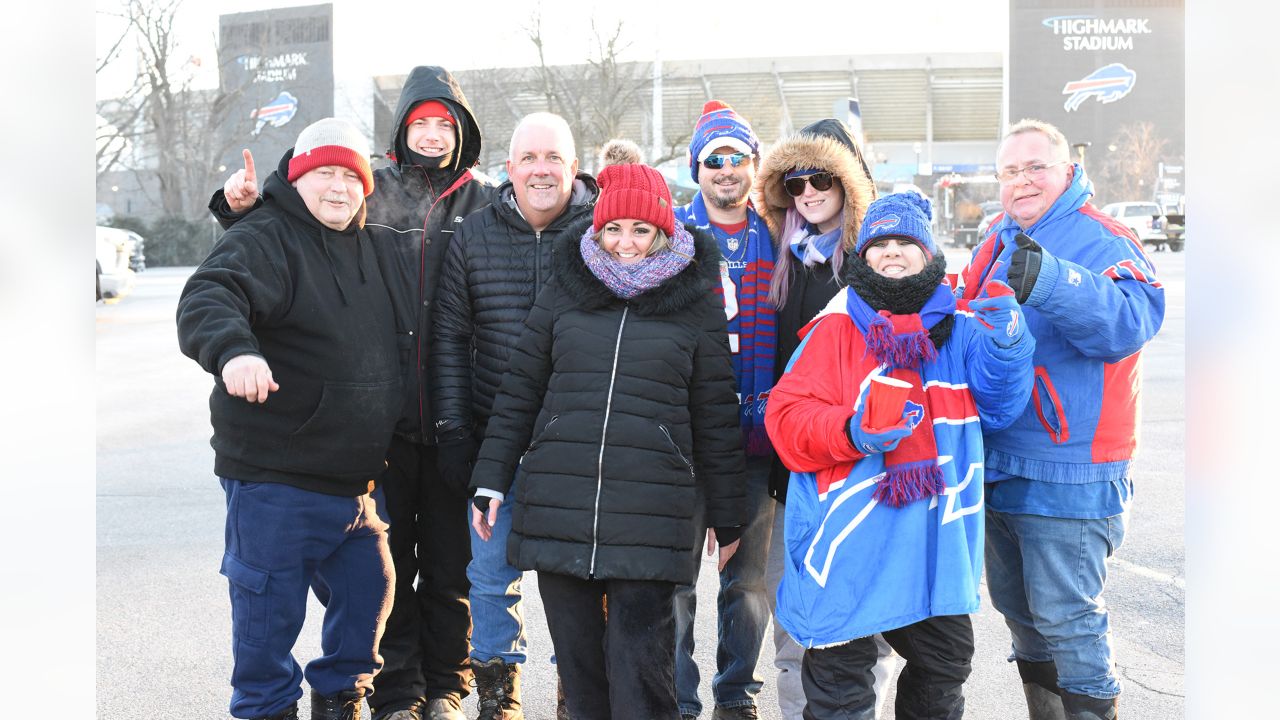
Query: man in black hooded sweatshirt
x: 419, y: 201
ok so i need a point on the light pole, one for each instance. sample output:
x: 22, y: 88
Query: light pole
x: 918, y: 148
x: 1080, y: 148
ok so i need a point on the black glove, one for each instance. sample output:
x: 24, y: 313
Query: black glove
x: 1024, y: 267
x: 482, y: 503
x: 454, y: 460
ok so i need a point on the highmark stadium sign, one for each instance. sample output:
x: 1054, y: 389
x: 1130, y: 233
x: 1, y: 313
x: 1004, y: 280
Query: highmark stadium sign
x: 1088, y: 32
x: 1095, y: 67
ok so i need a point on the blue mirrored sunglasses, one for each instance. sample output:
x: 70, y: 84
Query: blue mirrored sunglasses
x: 715, y: 161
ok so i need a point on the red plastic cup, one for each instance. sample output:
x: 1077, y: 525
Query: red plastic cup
x: 885, y: 401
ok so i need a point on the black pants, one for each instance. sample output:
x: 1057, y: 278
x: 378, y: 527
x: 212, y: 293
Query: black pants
x: 622, y: 669
x: 426, y: 643
x: 938, y: 650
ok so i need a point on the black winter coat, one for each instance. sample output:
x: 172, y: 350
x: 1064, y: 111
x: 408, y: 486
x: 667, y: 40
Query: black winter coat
x: 313, y: 302
x: 416, y: 213
x: 495, y: 268
x: 619, y: 409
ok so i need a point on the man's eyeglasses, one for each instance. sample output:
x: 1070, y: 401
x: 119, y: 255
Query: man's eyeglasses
x: 819, y: 180
x: 715, y: 161
x: 1033, y: 172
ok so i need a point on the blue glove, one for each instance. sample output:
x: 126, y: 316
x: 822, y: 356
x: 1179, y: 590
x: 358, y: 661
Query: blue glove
x: 1000, y: 318
x: 871, y: 442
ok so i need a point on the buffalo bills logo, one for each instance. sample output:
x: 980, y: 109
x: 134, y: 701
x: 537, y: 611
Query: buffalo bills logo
x: 275, y: 113
x: 1012, y: 328
x: 884, y: 224
x: 1107, y: 84
x: 914, y: 413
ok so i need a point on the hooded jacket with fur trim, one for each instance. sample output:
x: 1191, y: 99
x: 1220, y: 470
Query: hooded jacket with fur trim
x: 825, y: 144
x: 616, y: 412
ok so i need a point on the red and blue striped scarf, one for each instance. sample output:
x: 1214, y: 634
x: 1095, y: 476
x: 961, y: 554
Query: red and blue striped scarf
x: 753, y: 323
x: 902, y: 343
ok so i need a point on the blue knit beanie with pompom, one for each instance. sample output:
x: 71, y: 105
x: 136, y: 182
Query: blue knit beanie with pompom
x: 904, y: 214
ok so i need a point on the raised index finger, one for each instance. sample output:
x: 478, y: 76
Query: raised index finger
x: 249, y: 174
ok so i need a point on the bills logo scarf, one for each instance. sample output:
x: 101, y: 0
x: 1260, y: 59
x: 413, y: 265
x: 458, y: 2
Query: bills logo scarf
x: 901, y: 344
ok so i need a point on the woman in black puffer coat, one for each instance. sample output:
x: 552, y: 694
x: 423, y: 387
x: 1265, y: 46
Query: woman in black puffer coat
x: 618, y: 402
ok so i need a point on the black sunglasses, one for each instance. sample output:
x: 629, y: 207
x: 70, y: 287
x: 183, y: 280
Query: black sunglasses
x: 819, y: 180
x: 717, y: 160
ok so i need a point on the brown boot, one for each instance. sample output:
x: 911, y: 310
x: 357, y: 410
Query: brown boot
x: 498, y: 688
x: 342, y: 706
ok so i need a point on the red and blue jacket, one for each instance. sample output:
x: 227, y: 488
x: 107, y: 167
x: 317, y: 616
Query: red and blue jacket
x: 1095, y: 305
x: 854, y: 566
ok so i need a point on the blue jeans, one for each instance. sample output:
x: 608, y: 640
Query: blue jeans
x: 1045, y: 576
x: 497, y: 617
x: 742, y: 604
x: 280, y: 540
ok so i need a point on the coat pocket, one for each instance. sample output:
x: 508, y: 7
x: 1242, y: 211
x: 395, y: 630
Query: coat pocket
x: 349, y: 431
x: 1049, y: 407
x: 679, y: 453
x: 249, y: 606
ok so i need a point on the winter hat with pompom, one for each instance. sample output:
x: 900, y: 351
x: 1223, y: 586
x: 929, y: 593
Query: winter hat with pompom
x: 904, y: 214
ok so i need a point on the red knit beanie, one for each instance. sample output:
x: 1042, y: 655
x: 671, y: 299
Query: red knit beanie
x: 634, y: 192
x: 331, y: 142
x: 430, y: 108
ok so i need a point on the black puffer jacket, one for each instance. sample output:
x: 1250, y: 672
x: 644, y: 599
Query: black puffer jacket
x: 495, y: 268
x: 416, y: 212
x: 313, y: 302
x: 633, y: 403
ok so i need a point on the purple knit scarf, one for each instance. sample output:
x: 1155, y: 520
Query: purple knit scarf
x: 629, y: 280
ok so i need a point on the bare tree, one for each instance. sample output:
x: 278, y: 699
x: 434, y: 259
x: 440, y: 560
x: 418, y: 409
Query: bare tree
x: 163, y: 126
x: 1128, y: 170
x: 603, y: 98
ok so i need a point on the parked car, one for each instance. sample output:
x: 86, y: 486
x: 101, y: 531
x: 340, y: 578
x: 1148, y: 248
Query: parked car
x: 1172, y: 226
x: 114, y: 277
x: 990, y: 211
x: 1144, y: 218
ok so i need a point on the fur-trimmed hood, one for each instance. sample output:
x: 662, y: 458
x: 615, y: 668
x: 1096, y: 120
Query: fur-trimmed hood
x: 689, y: 286
x: 826, y: 144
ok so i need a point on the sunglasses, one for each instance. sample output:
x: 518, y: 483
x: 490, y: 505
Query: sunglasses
x: 819, y: 180
x: 716, y: 161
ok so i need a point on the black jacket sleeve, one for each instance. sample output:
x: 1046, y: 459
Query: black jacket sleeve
x: 237, y: 286
x: 450, y: 371
x: 713, y: 410
x: 519, y: 400
x: 222, y: 212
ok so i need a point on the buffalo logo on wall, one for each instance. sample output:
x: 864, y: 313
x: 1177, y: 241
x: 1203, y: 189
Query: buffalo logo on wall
x: 276, y: 113
x: 1107, y: 84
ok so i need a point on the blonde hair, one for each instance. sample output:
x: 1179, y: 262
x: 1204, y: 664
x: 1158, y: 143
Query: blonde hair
x: 660, y: 242
x: 1056, y: 139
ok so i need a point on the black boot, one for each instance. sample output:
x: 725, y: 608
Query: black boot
x: 498, y: 685
x: 1083, y: 707
x: 289, y: 713
x: 343, y: 706
x: 1040, y: 685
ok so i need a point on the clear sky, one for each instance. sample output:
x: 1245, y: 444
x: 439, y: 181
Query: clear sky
x: 380, y: 37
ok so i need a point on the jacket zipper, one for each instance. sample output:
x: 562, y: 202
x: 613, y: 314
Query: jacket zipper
x: 604, y: 432
x: 537, y: 262
x: 538, y: 437
x: 680, y: 453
